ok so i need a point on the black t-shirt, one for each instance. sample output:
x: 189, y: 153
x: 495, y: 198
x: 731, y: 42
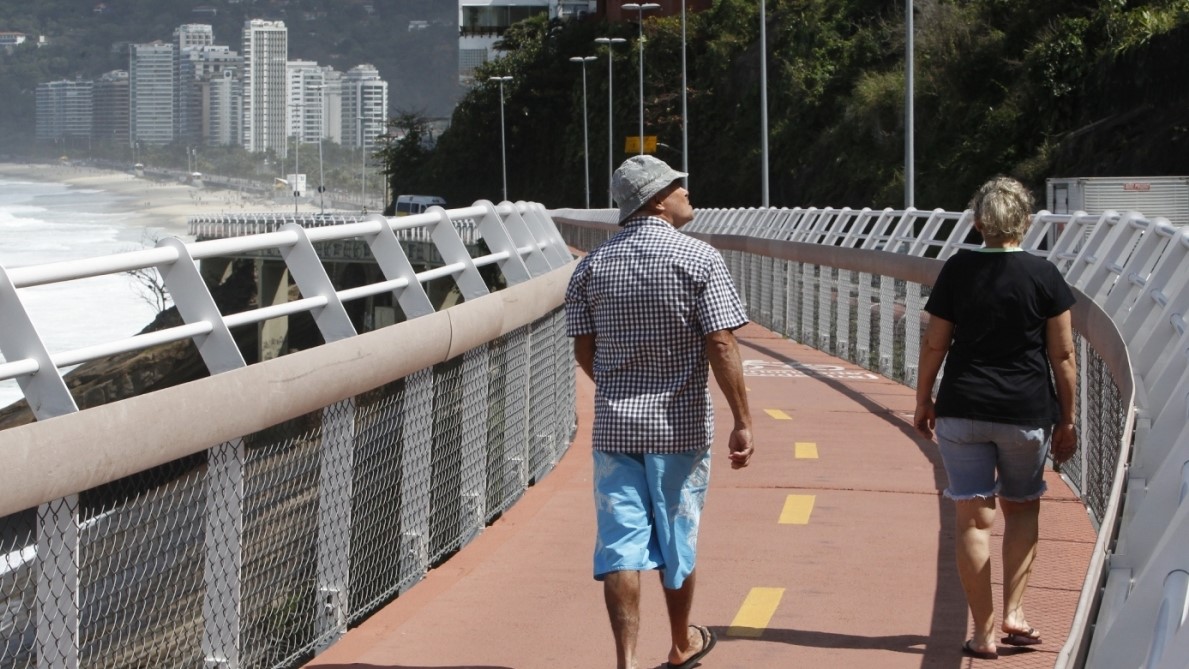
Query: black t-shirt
x: 997, y: 368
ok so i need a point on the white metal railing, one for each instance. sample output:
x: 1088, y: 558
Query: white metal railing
x: 247, y: 518
x: 853, y: 283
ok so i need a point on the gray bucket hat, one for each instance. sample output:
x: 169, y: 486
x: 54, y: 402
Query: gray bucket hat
x: 637, y: 180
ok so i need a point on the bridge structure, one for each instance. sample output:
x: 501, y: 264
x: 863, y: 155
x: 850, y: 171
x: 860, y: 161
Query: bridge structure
x: 250, y: 518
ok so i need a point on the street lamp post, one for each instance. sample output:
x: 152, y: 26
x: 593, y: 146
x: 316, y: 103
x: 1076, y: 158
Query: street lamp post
x: 684, y: 108
x: 610, y: 42
x: 641, y: 8
x: 503, y: 147
x: 583, y: 60
x: 764, y: 102
x: 909, y: 161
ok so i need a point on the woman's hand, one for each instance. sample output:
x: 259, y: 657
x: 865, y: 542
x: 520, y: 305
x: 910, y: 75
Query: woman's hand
x: 1065, y: 442
x: 925, y: 418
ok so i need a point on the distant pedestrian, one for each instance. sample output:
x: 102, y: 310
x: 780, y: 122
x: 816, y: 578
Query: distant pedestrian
x: 999, y: 318
x: 648, y: 310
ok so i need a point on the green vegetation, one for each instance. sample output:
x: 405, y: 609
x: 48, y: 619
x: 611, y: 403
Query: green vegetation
x: 1027, y: 88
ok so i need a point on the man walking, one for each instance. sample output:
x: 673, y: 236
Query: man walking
x: 648, y: 309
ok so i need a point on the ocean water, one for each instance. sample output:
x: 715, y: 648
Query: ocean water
x: 50, y: 222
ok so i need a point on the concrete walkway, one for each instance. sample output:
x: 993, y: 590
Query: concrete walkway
x: 834, y: 549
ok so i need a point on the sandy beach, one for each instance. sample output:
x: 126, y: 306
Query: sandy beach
x: 158, y: 204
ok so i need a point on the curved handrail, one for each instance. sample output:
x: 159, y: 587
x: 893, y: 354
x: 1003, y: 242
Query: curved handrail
x: 95, y: 446
x: 1094, y: 252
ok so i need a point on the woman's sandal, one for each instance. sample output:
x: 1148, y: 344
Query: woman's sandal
x: 967, y: 649
x: 1029, y: 637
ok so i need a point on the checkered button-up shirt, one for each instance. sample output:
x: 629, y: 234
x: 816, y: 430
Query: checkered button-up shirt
x: 650, y: 295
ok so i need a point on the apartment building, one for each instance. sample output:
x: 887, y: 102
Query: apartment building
x: 188, y: 40
x: 266, y: 54
x: 306, y: 115
x: 364, y: 107
x: 151, y: 92
x: 222, y: 100
x: 64, y: 110
x: 111, y: 120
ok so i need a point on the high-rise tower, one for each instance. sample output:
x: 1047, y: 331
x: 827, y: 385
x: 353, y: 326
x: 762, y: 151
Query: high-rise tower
x: 265, y: 54
x: 365, y: 107
x: 151, y: 87
x: 187, y: 40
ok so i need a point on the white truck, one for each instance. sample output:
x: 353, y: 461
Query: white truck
x: 1153, y: 196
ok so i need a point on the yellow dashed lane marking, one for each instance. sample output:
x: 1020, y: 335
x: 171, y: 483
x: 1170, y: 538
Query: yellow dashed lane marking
x: 806, y: 450
x: 756, y: 612
x: 778, y: 414
x: 797, y: 509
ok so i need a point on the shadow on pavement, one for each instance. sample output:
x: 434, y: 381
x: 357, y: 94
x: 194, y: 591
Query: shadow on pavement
x: 948, y: 599
x: 900, y: 643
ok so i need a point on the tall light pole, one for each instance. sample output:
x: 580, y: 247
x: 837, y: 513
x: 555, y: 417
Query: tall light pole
x: 764, y: 103
x: 684, y: 108
x: 610, y: 42
x: 503, y: 147
x: 909, y: 159
x: 583, y: 60
x: 641, y: 8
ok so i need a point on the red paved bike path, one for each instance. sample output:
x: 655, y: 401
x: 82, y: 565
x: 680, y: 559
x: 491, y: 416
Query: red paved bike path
x: 868, y: 581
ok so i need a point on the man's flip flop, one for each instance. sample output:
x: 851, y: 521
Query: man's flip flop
x: 708, y: 641
x: 967, y: 649
x: 1028, y: 638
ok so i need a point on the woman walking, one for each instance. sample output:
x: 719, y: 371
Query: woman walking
x: 999, y: 318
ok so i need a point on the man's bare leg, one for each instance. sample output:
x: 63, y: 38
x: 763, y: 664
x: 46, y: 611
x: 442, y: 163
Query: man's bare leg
x: 686, y: 640
x: 621, y: 590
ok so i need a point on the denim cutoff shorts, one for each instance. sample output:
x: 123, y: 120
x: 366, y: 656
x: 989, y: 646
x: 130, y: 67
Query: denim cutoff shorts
x: 985, y: 459
x: 647, y: 511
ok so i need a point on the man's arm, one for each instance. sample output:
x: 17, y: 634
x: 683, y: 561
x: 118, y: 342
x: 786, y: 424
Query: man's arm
x: 723, y: 351
x: 584, y: 351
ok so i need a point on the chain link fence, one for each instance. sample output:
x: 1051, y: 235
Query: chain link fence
x: 264, y: 549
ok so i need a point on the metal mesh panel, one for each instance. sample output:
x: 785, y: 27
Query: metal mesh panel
x: 866, y: 323
x: 446, y: 491
x: 508, y: 393
x: 375, y: 526
x: 541, y: 355
x: 280, y: 514
x: 1104, y: 423
x: 473, y: 443
x: 567, y: 398
x: 18, y: 589
x: 141, y: 569
x: 793, y: 313
x: 827, y: 316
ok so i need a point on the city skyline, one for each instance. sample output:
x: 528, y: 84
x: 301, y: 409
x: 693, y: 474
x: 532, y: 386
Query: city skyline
x: 199, y: 92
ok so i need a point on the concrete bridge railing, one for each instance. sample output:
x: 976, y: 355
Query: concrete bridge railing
x: 853, y: 283
x: 247, y: 518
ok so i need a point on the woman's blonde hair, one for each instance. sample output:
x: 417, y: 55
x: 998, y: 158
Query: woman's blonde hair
x: 1003, y: 209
